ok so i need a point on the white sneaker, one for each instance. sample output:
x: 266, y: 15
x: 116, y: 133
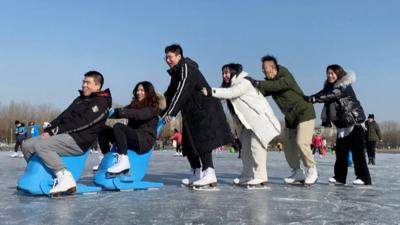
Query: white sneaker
x: 122, y: 165
x: 334, y: 181
x: 14, y: 155
x: 358, y: 182
x: 297, y: 176
x: 312, y: 175
x: 208, y: 178
x: 64, y: 182
x: 197, y: 175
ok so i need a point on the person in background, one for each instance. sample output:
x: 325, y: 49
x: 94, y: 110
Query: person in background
x: 20, y: 136
x: 177, y: 136
x: 373, y: 135
x: 34, y: 129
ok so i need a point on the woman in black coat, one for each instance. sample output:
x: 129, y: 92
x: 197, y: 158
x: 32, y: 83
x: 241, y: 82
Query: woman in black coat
x: 342, y: 108
x: 141, y: 132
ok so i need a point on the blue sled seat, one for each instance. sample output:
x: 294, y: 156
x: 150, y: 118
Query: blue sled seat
x: 38, y: 179
x: 134, y: 180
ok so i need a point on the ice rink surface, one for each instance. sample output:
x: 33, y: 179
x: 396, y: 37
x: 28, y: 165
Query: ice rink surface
x: 321, y: 203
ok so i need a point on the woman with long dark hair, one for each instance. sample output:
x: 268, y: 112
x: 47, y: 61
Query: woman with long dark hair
x: 253, y: 120
x: 342, y: 108
x: 140, y: 133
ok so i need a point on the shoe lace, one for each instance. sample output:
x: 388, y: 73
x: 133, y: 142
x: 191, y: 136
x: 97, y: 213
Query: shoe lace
x: 55, y: 182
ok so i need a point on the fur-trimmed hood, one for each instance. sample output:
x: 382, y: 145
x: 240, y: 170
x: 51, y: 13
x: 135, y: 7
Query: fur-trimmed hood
x: 345, y: 81
x: 162, y: 103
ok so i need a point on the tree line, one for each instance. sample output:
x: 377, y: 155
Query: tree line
x: 25, y: 112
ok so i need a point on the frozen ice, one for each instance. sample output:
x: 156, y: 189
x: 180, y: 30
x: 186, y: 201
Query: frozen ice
x: 321, y: 203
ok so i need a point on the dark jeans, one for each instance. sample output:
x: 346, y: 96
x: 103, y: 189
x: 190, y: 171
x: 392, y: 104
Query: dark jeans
x: 123, y: 136
x: 206, y: 160
x: 178, y: 148
x: 355, y: 142
x: 18, y: 144
x: 371, y: 149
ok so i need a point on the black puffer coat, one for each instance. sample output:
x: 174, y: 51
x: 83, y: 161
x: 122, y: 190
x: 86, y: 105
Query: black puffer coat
x: 204, y: 123
x: 341, y: 105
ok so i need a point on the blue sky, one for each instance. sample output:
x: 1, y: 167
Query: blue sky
x: 47, y: 46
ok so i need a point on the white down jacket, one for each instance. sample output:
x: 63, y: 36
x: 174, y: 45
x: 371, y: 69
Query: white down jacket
x: 251, y: 108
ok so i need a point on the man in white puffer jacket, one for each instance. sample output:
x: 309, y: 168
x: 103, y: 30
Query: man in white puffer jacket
x: 254, y: 120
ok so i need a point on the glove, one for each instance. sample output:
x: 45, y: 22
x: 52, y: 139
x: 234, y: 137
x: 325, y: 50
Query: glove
x: 255, y: 83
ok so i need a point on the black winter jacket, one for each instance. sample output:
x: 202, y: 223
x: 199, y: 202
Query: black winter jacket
x: 144, y: 122
x: 341, y: 105
x: 84, y: 119
x: 204, y: 123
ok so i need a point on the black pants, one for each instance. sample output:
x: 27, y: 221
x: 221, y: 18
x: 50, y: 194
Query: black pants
x: 178, y: 148
x: 206, y: 160
x: 123, y: 136
x: 355, y: 142
x: 18, y: 144
x: 371, y: 149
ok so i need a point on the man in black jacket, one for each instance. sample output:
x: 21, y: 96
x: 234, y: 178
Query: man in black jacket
x: 204, y: 123
x: 73, y: 131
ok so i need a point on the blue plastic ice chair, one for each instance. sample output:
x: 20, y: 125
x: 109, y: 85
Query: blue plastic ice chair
x: 38, y: 178
x: 134, y: 180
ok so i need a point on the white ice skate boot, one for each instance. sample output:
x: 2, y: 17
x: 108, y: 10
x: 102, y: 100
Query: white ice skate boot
x: 63, y: 183
x: 121, y: 166
x: 297, y: 176
x: 208, y: 180
x: 20, y: 155
x: 197, y: 175
x: 257, y: 183
x: 312, y: 176
x: 14, y: 155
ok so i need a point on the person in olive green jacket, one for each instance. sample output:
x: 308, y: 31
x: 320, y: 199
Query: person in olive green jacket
x: 373, y: 135
x: 299, y: 118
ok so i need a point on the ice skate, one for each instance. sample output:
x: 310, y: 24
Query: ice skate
x: 120, y: 168
x: 240, y: 181
x: 197, y: 175
x: 207, y: 182
x: 64, y: 183
x: 14, y: 155
x: 296, y: 177
x: 256, y: 183
x: 312, y: 176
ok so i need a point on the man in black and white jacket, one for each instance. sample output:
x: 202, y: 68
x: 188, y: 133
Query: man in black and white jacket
x: 73, y: 131
x: 204, y: 123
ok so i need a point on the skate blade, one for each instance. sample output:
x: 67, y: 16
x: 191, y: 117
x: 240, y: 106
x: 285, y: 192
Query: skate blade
x: 208, y: 187
x: 262, y: 186
x: 186, y: 186
x: 64, y: 193
x: 201, y: 188
x: 114, y: 175
x: 300, y: 182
